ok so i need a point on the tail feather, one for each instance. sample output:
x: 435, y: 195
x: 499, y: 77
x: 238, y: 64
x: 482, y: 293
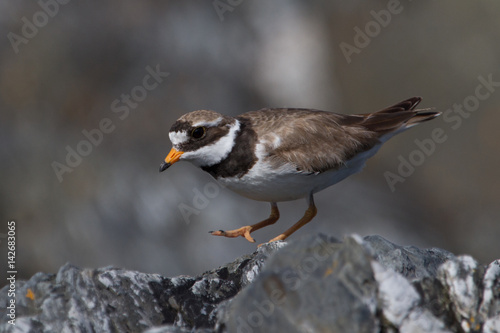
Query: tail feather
x: 422, y: 116
x: 398, y: 117
x: 406, y: 105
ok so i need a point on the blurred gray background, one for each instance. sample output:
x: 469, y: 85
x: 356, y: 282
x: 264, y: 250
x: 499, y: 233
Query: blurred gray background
x: 65, y: 68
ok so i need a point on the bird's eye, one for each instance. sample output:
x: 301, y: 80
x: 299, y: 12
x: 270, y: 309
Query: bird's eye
x: 198, y: 132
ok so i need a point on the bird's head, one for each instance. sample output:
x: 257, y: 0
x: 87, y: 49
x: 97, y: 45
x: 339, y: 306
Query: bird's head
x: 202, y: 137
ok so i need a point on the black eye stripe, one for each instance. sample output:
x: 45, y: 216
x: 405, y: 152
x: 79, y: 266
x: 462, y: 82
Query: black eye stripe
x: 211, y: 135
x: 198, y: 132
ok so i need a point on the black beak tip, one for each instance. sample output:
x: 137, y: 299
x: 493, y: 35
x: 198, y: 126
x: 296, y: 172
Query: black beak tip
x: 164, y: 166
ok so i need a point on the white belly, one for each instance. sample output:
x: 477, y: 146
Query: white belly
x: 264, y: 183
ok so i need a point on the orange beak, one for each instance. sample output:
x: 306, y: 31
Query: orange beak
x: 171, y: 158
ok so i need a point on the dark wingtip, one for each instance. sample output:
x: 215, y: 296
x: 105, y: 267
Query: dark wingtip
x: 423, y: 116
x: 407, y: 105
x: 164, y: 166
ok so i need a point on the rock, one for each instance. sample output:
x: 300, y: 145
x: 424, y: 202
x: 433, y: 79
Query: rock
x: 312, y: 284
x: 115, y: 300
x: 319, y: 285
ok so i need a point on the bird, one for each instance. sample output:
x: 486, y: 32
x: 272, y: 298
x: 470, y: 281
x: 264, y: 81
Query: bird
x: 283, y: 154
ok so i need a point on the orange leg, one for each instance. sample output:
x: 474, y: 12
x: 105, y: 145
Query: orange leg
x: 308, y: 216
x: 246, y: 230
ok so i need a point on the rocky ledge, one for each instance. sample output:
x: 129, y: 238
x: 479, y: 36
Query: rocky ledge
x: 314, y: 284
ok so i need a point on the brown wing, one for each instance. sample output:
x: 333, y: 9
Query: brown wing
x: 316, y: 141
x: 311, y: 140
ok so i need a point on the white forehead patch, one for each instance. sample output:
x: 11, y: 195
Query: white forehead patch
x: 178, y: 138
x: 208, y: 123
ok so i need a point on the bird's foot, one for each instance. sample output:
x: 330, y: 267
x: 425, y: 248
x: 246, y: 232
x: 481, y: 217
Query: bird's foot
x: 243, y: 232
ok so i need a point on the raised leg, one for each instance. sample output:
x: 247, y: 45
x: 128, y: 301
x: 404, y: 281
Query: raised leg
x: 246, y: 230
x: 308, y: 216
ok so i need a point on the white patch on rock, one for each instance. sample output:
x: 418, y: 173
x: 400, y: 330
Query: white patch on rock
x: 204, y: 286
x: 357, y: 238
x: 491, y: 275
x: 106, y: 280
x: 252, y: 274
x: 24, y: 324
x: 398, y: 296
x: 458, y: 277
x: 179, y: 280
x: 422, y: 321
x: 492, y: 325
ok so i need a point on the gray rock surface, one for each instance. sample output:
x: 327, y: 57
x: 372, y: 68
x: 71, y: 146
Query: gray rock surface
x: 312, y: 284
